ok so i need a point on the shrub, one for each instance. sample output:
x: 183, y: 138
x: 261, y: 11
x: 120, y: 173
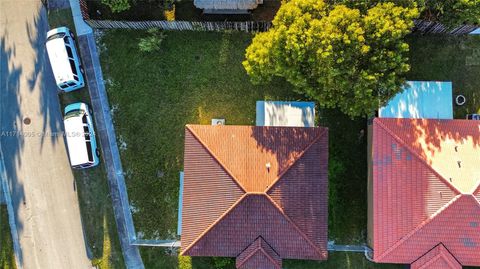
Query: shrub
x: 117, y: 5
x: 153, y: 41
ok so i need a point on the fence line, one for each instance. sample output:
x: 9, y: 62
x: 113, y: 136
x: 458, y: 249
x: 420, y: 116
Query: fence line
x: 247, y: 26
x: 431, y: 27
x: 426, y: 27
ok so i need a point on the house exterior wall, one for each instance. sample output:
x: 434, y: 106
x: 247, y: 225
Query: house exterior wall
x: 370, y: 185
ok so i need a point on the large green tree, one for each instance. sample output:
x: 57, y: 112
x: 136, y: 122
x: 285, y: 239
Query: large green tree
x: 340, y: 56
x: 452, y: 13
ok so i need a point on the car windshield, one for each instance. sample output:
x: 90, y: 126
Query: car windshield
x: 74, y: 113
x: 55, y: 36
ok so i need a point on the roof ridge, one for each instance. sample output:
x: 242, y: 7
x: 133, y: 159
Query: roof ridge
x: 447, y: 258
x: 443, y: 253
x: 214, y: 223
x: 307, y: 148
x: 294, y: 225
x: 411, y: 151
x: 476, y: 190
x: 420, y: 226
x: 215, y: 157
x: 269, y: 257
x: 432, y: 260
x: 259, y: 248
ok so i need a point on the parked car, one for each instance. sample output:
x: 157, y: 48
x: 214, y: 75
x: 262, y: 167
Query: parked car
x: 80, y: 135
x: 66, y: 65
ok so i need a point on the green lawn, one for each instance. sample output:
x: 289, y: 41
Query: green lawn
x: 94, y: 194
x: 193, y: 78
x: 197, y: 76
x: 7, y: 256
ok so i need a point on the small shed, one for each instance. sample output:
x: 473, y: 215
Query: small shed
x: 421, y: 99
x: 288, y: 114
x: 227, y: 6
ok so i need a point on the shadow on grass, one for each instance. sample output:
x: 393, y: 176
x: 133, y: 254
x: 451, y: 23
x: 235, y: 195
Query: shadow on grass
x: 98, y: 218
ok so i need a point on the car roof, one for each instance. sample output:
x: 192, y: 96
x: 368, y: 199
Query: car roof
x: 77, y: 149
x: 57, y: 53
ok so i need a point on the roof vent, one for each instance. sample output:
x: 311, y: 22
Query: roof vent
x: 218, y: 121
x: 267, y: 165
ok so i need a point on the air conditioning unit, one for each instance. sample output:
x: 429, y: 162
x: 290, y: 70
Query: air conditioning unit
x: 218, y: 121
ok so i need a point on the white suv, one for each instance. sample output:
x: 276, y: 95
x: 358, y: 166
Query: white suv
x: 81, y: 142
x: 66, y: 65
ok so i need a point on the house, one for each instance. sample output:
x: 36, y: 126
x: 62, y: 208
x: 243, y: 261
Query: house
x: 227, y: 6
x: 280, y: 113
x: 424, y: 192
x: 421, y: 99
x: 258, y: 194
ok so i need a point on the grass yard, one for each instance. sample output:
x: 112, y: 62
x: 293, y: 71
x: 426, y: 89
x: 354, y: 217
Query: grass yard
x: 194, y: 77
x: 7, y: 255
x: 447, y: 58
x: 197, y: 76
x: 94, y: 194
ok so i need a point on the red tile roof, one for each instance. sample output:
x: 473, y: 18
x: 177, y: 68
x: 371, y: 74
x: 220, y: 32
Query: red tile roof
x: 437, y: 258
x: 242, y: 183
x: 259, y: 255
x: 426, y: 189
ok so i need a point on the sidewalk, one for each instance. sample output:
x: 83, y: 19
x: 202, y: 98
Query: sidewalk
x: 106, y: 134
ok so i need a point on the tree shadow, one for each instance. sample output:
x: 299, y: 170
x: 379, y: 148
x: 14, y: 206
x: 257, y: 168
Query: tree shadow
x: 41, y: 77
x: 451, y: 148
x: 12, y: 142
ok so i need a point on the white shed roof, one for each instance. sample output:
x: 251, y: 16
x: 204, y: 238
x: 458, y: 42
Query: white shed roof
x: 226, y: 4
x: 293, y: 114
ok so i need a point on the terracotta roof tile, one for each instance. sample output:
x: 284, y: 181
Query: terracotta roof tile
x: 254, y: 216
x: 421, y: 199
x: 437, y: 258
x: 285, y: 205
x: 209, y: 194
x: 302, y: 199
x: 246, y: 150
x: 259, y: 255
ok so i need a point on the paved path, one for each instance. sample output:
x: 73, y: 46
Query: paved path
x: 44, y: 198
x: 111, y: 157
x: 106, y: 135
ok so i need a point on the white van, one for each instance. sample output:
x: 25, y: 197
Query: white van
x: 64, y: 59
x: 81, y: 142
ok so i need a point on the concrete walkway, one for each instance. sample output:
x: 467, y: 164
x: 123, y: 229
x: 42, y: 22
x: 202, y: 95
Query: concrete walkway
x: 106, y: 134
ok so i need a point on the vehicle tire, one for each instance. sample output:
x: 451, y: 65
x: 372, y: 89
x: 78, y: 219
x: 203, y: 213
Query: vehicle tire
x: 97, y: 152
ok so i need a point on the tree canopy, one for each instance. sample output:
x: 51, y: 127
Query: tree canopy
x: 340, y: 56
x: 452, y: 13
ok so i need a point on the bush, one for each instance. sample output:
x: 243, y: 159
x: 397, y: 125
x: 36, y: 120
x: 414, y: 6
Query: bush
x: 152, y: 42
x: 117, y: 5
x: 221, y: 262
